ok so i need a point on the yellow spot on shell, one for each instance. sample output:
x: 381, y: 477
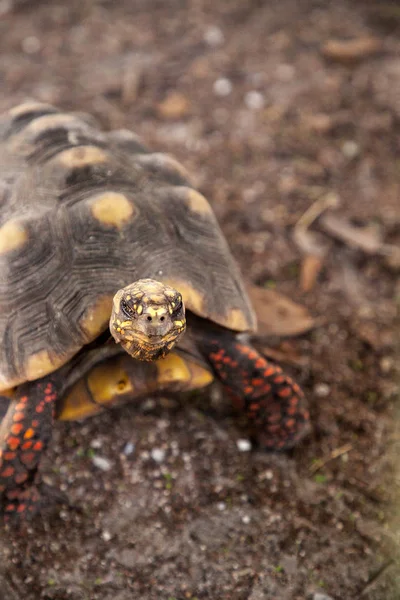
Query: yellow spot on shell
x: 28, y: 107
x: 12, y: 235
x: 139, y: 309
x: 178, y: 323
x: 199, y: 204
x: 81, y: 156
x: 195, y: 201
x: 41, y: 124
x: 237, y: 320
x: 41, y: 364
x: 164, y: 163
x: 112, y: 209
x: 96, y: 317
x: 193, y: 299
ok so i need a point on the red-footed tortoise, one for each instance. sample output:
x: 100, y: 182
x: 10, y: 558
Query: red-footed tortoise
x: 96, y: 231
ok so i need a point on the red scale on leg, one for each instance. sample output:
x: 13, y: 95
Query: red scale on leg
x: 273, y: 402
x: 21, y: 447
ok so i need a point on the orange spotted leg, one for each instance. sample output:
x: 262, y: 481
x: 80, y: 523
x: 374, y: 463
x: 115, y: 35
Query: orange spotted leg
x: 25, y: 432
x: 272, y: 401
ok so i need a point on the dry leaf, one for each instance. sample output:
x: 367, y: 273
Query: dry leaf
x: 351, y: 51
x: 365, y: 238
x: 310, y: 268
x: 174, y: 106
x: 285, y: 354
x: 277, y: 315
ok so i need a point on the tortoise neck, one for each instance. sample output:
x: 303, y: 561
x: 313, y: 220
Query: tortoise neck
x: 203, y: 330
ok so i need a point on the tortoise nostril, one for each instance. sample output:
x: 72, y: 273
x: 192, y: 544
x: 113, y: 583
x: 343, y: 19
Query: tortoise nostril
x: 149, y: 318
x: 162, y: 318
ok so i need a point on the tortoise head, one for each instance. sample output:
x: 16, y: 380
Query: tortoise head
x: 147, y: 319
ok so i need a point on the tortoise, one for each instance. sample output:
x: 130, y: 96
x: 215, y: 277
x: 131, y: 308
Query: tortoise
x: 107, y: 254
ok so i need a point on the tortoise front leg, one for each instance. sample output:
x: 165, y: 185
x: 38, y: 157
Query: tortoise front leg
x: 272, y: 401
x: 25, y: 433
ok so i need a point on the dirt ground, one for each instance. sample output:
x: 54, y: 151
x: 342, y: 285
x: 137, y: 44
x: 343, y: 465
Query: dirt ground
x: 274, y: 107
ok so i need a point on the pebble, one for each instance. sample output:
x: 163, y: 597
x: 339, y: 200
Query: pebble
x: 222, y: 87
x: 96, y: 444
x: 322, y: 390
x: 268, y: 474
x: 243, y: 445
x: 102, y: 463
x: 213, y: 36
x: 149, y: 405
x: 129, y: 448
x: 246, y: 519
x: 319, y: 596
x: 350, y: 149
x: 386, y: 364
x: 106, y: 535
x: 174, y: 106
x: 158, y: 455
x: 221, y: 506
x: 254, y: 100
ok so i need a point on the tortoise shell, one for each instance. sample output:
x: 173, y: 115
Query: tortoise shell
x: 84, y: 213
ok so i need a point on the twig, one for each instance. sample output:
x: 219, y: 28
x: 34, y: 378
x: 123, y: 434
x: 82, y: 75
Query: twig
x: 321, y: 462
x: 376, y: 575
x: 315, y: 210
x: 307, y: 241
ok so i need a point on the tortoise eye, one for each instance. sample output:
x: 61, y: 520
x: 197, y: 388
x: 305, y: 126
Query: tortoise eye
x: 127, y: 310
x: 178, y: 305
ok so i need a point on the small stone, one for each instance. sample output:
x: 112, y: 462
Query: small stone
x: 246, y: 519
x: 386, y: 364
x: 268, y: 475
x: 106, y: 535
x: 174, y: 106
x: 254, y: 100
x: 96, y: 444
x: 213, y: 36
x: 243, y: 445
x: 322, y: 390
x: 222, y: 87
x: 102, y: 463
x: 350, y: 149
x: 319, y: 596
x: 158, y: 455
x: 129, y: 448
x: 221, y: 506
x: 149, y: 405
